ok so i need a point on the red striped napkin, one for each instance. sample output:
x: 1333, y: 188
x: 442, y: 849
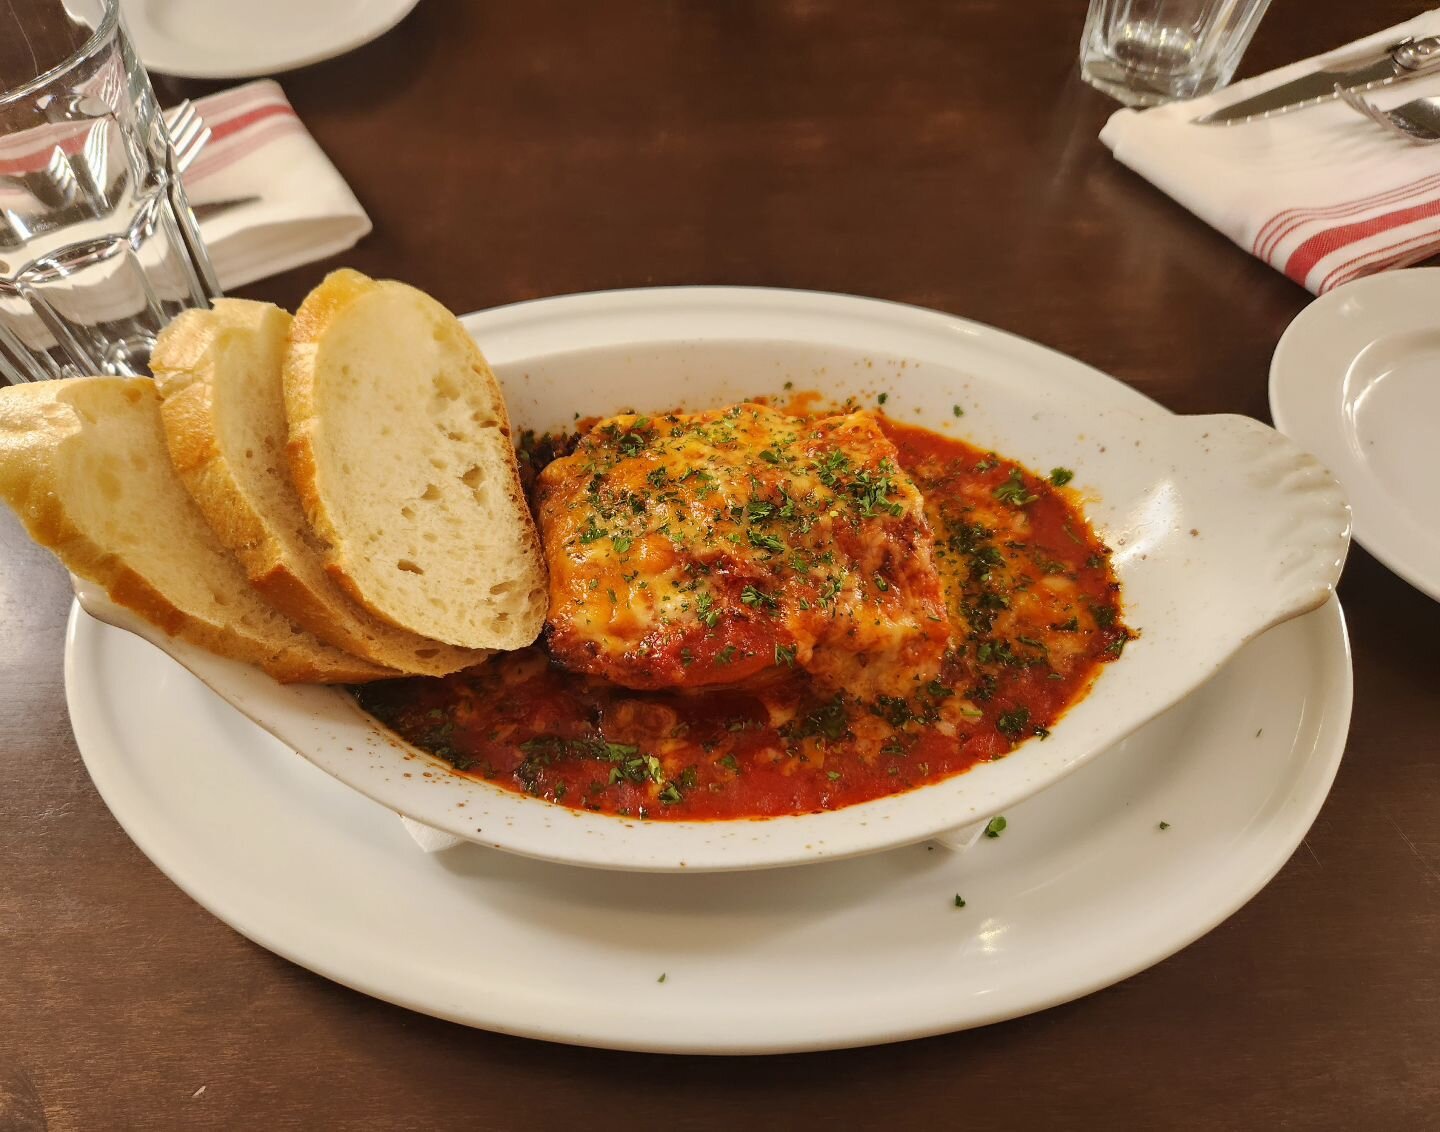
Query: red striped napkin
x: 1320, y: 194
x: 304, y: 210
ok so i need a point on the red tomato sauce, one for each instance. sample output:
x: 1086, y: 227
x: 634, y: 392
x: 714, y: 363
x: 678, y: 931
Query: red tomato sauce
x: 1034, y: 611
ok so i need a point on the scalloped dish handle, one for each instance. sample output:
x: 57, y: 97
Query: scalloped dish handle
x: 1274, y: 514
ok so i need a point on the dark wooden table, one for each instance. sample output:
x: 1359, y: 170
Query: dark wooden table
x: 935, y: 153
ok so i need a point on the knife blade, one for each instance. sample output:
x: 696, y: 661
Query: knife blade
x: 1407, y: 59
x: 206, y: 209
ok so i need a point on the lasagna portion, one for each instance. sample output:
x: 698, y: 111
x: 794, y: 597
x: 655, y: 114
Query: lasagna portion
x: 729, y: 547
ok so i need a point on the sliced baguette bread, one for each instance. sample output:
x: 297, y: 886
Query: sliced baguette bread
x: 223, y: 406
x: 83, y: 463
x: 400, y: 451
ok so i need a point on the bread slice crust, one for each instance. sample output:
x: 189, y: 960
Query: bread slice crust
x: 222, y: 402
x: 400, y: 452
x: 83, y: 464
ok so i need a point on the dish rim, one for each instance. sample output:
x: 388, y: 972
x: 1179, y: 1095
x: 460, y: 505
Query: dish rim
x: 669, y: 845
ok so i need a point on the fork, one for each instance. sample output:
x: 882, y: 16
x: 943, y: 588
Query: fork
x: 188, y: 135
x: 1418, y: 122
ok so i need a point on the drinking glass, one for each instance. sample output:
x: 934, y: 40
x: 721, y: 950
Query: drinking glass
x: 98, y: 247
x: 1145, y: 52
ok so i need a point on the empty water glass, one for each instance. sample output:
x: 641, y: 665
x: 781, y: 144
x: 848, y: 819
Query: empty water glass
x: 1145, y: 52
x: 98, y: 247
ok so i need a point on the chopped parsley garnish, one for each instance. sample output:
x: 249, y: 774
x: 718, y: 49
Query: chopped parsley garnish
x: 764, y: 542
x: 1061, y: 476
x: 827, y: 721
x: 1011, y: 724
x: 726, y: 655
x: 880, y: 400
x: 830, y: 466
x: 757, y: 597
x: 785, y: 656
x: 1013, y: 492
x: 995, y: 827
x: 894, y: 710
x: 833, y: 775
x: 633, y: 443
x: 1164, y: 825
x: 959, y: 901
x: 621, y: 543
x: 957, y: 410
x: 592, y: 532
x: 871, y: 490
x: 662, y: 977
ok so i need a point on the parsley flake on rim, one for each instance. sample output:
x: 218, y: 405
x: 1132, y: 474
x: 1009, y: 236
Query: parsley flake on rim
x: 995, y: 827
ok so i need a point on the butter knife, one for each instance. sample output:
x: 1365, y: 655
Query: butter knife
x: 206, y: 209
x: 1406, y: 59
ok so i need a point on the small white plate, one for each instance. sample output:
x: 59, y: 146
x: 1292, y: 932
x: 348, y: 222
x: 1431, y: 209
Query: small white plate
x: 1356, y: 381
x: 1083, y: 889
x: 237, y: 39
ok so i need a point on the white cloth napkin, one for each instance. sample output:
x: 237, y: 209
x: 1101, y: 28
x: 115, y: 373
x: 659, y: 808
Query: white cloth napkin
x: 259, y: 148
x: 1320, y: 194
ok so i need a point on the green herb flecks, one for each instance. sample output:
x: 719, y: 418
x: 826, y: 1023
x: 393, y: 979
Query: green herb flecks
x: 1013, y: 491
x: 758, y: 598
x: 1012, y: 723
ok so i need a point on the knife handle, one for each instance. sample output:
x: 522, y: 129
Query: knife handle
x: 1418, y: 55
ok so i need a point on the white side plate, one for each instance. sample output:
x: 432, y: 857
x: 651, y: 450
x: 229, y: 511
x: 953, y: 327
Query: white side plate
x: 1356, y: 380
x: 1222, y: 528
x: 236, y: 39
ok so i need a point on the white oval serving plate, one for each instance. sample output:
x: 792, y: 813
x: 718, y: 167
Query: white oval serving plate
x: 1221, y: 527
x: 1356, y: 380
x: 1083, y: 889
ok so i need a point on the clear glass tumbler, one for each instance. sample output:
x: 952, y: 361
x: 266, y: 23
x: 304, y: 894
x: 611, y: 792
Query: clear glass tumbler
x: 98, y: 247
x: 1145, y: 52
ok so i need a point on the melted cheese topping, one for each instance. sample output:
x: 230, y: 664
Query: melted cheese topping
x: 730, y: 546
